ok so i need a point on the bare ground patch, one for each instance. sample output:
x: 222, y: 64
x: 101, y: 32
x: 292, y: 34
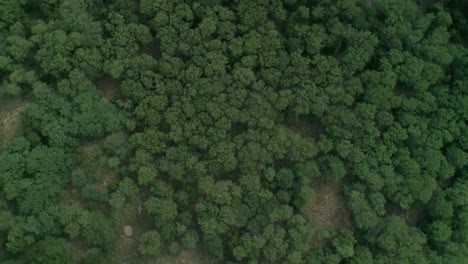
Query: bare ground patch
x: 154, y: 50
x: 92, y: 154
x: 185, y: 257
x: 71, y: 197
x: 110, y: 87
x: 126, y: 250
x: 305, y: 126
x: 328, y: 211
x: 133, y: 214
x: 78, y: 251
x: 10, y: 119
x: 415, y: 216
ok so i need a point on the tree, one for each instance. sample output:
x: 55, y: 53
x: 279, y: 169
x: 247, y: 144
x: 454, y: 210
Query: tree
x: 95, y: 256
x: 50, y: 250
x: 344, y: 244
x: 333, y: 168
x: 284, y: 178
x: 146, y: 175
x: 127, y: 190
x: 218, y: 114
x: 163, y: 209
x: 459, y: 193
x: 362, y: 255
x: 365, y: 216
x: 440, y: 231
x: 98, y: 231
x: 95, y: 194
x: 441, y: 208
x: 150, y: 244
x: 190, y: 239
x: 41, y: 170
x: 396, y: 241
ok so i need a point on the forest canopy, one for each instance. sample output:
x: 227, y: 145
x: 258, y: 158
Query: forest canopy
x: 233, y: 131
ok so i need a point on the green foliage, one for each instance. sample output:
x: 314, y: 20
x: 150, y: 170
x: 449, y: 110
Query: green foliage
x: 395, y: 241
x: 127, y: 190
x: 95, y: 256
x: 50, y: 250
x: 98, y: 231
x: 150, y: 244
x: 213, y: 117
x: 10, y: 90
x: 440, y: 231
x: 365, y: 215
x: 95, y: 194
x: 34, y: 177
x: 344, y: 244
x: 146, y: 175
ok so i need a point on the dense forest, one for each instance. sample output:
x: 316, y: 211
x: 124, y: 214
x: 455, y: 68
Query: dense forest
x: 234, y: 131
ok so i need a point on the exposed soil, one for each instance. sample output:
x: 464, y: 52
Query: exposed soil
x: 185, y: 257
x: 415, y: 216
x: 126, y: 250
x: 305, y: 126
x: 92, y: 153
x: 154, y: 50
x: 78, y: 251
x: 328, y: 211
x: 71, y: 197
x: 110, y: 87
x: 10, y: 119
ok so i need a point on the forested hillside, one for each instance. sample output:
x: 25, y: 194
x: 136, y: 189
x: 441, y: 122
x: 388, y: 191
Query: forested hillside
x: 233, y: 131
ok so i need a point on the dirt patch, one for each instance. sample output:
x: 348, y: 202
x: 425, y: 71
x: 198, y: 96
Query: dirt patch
x: 131, y: 213
x: 415, y: 216
x: 404, y: 91
x: 305, y: 126
x: 78, y: 251
x: 328, y: 211
x: 185, y: 257
x: 126, y: 251
x: 90, y: 150
x: 154, y: 50
x: 71, y: 197
x: 110, y: 87
x: 93, y: 156
x: 10, y: 119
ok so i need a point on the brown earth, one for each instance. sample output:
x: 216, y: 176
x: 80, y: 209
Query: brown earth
x: 305, y: 127
x: 10, y: 119
x: 92, y: 154
x: 328, y: 211
x: 185, y: 257
x: 109, y: 87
